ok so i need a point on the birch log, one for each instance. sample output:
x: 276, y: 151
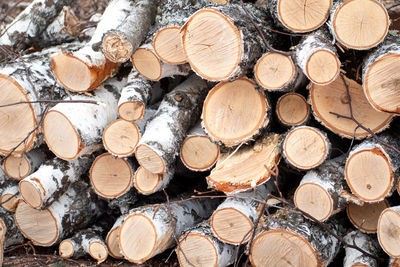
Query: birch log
x: 72, y: 130
x: 112, y: 239
x: 292, y: 109
x: 9, y: 233
x: 74, y: 210
x: 150, y: 230
x: 381, y: 76
x: 365, y: 217
x: 179, y: 110
x: 148, y: 183
x: 20, y: 167
x: 51, y: 181
x: 389, y: 231
x: 354, y: 257
x: 10, y: 197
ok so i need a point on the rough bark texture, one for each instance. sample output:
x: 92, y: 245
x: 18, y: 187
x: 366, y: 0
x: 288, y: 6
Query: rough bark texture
x: 365, y: 242
x: 9, y: 233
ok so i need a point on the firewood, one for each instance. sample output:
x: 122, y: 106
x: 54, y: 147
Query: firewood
x: 226, y: 104
x: 247, y: 167
x: 372, y: 169
x: 233, y: 221
x: 112, y: 239
x: 75, y: 209
x: 394, y: 262
x: 349, y: 20
x: 365, y: 218
x: 293, y: 240
x: 20, y: 167
x: 72, y: 130
x: 299, y: 15
x: 150, y: 230
x: 292, y: 109
x: 381, y: 77
x: 85, y: 242
x: 333, y: 98
x: 198, y: 153
x: 354, y: 257
x: 119, y: 43
x: 305, y: 147
x: 9, y: 197
x: 317, y: 57
x: 147, y: 182
x: 179, y: 110
x: 51, y: 180
x: 9, y: 233
x: 388, y: 231
x: 198, y: 247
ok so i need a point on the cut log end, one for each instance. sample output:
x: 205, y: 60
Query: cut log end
x: 365, y: 218
x: 389, y: 232
x: 292, y: 109
x: 198, y: 153
x: 61, y: 136
x: 231, y: 226
x: 369, y: 174
x: 305, y: 147
x: 98, y: 251
x: 322, y: 67
x: 121, y: 137
x: 284, y: 248
x: 149, y: 159
x: 17, y: 120
x: 147, y: 64
x: 9, y: 202
x: 273, y: 71
x: 31, y: 194
x: 44, y: 232
x: 196, y: 250
x: 226, y: 105
x: 131, y: 110
x: 110, y: 177
x: 382, y: 84
x: 212, y: 57
x: 66, y: 249
x: 360, y: 24
x: 167, y: 44
x: 314, y: 200
x: 145, y: 181
x: 137, y: 238
x: 112, y: 243
x: 116, y: 48
x: 3, y: 231
x: 303, y: 15
x: 17, y: 167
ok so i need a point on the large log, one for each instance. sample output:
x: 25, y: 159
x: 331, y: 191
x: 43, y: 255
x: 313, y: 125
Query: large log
x: 20, y: 167
x: 365, y: 217
x: 356, y: 258
x: 292, y: 109
x: 389, y: 231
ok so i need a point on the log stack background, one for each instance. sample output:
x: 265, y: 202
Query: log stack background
x: 262, y: 133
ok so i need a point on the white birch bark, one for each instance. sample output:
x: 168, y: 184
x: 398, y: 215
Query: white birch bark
x: 367, y: 243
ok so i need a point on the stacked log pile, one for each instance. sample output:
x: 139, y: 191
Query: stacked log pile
x: 113, y: 127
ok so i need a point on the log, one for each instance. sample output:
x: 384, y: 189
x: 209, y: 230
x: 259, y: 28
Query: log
x: 119, y: 43
x: 147, y: 63
x: 381, y: 77
x: 292, y: 109
x: 9, y: 233
x: 198, y: 247
x: 10, y: 197
x: 85, y: 242
x: 388, y: 231
x: 247, y: 167
x: 333, y: 98
x: 112, y: 239
x: 148, y: 231
x: 197, y: 152
x: 293, y: 240
x: 372, y: 169
x: 317, y: 57
x: 233, y: 221
x: 226, y: 105
x: 51, y: 181
x: 305, y: 147
x: 74, y: 210
x: 299, y: 15
x: 394, y: 262
x: 354, y: 257
x: 111, y: 177
x: 359, y: 24
x: 72, y: 130
x: 85, y: 69
x: 148, y: 183
x: 178, y: 111
x: 320, y: 190
x: 365, y: 218
x: 20, y: 167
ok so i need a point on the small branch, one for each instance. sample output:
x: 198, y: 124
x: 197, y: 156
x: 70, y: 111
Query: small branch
x: 8, y: 199
x: 52, y: 102
x: 393, y: 6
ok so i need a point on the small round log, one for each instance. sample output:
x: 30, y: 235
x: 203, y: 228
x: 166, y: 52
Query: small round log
x: 355, y: 258
x: 389, y: 231
x: 112, y: 239
x: 10, y: 198
x: 20, y: 167
x: 365, y: 218
x: 148, y: 183
x: 292, y: 109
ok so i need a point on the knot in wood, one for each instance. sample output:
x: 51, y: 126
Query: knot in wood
x: 344, y: 99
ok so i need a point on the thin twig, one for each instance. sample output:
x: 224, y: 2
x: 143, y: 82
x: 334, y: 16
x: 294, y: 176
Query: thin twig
x: 393, y: 6
x: 51, y: 102
x: 8, y: 199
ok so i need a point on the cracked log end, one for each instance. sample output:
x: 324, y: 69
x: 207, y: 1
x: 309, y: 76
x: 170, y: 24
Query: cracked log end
x: 17, y: 167
x: 382, y: 84
x: 303, y: 15
x: 98, y: 251
x: 198, y: 153
x: 31, y: 194
x: 131, y: 110
x: 198, y: 249
x: 365, y: 218
x: 167, y: 45
x: 110, y: 177
x: 369, y: 174
x: 273, y: 71
x: 66, y: 249
x: 147, y: 64
x: 292, y: 109
x: 145, y: 181
x: 121, y: 137
x: 360, y: 24
x: 213, y: 44
x: 333, y: 98
x: 389, y: 231
x: 323, y: 67
x: 116, y: 48
x: 17, y: 120
x: 284, y: 248
x: 226, y: 104
x: 112, y: 243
